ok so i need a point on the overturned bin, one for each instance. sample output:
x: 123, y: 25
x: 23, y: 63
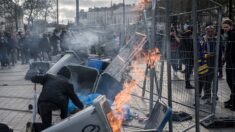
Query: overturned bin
x: 93, y: 118
x: 83, y: 78
x: 69, y: 58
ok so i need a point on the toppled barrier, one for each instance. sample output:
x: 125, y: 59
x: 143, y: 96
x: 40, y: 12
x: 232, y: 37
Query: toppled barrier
x: 92, y: 118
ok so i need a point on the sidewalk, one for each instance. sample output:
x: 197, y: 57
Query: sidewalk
x: 16, y: 94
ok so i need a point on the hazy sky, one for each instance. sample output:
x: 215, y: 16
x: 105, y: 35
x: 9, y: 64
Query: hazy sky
x: 67, y: 7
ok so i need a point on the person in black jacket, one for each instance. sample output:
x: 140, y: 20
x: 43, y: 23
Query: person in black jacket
x: 55, y: 42
x: 55, y: 95
x: 186, y: 52
x: 229, y: 35
x: 45, y: 47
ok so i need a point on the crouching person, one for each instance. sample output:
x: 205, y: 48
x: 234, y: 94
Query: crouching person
x: 55, y: 95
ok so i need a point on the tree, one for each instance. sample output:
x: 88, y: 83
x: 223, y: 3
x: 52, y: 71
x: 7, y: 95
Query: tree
x: 38, y: 9
x: 10, y: 11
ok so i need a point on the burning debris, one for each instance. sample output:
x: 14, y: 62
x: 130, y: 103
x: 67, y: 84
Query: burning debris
x: 151, y: 57
x: 117, y: 116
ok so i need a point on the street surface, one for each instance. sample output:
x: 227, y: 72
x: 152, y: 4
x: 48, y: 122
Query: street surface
x: 16, y: 94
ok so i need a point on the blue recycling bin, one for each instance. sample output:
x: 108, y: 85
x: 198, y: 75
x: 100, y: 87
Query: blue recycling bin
x: 95, y: 63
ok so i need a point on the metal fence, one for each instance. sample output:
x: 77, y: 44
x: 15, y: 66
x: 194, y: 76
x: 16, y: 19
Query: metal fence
x: 187, y: 74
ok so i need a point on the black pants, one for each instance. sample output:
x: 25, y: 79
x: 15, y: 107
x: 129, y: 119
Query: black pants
x: 175, y: 60
x: 45, y: 112
x: 188, y: 69
x: 205, y: 82
x: 230, y: 76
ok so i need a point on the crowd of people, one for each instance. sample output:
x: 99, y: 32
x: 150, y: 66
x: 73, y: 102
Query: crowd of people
x: 182, y: 53
x: 23, y: 46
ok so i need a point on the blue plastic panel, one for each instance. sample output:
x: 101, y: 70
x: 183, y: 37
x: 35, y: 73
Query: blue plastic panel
x: 108, y: 86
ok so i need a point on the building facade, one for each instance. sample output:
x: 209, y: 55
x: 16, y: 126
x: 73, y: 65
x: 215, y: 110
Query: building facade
x: 111, y: 15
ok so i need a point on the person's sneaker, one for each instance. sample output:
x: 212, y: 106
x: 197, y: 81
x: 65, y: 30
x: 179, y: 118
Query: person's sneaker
x: 189, y: 87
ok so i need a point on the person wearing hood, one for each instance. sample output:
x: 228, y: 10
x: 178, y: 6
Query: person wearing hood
x: 55, y: 95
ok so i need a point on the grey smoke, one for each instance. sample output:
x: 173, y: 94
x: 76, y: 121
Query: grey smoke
x: 82, y: 40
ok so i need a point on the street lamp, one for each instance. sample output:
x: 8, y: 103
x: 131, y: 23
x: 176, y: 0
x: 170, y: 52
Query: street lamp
x: 57, y: 11
x: 77, y: 12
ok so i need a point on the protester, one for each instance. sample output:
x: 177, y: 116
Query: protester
x: 229, y: 35
x: 175, y: 41
x: 186, y: 52
x: 3, y: 50
x: 55, y: 95
x: 55, y: 41
x: 45, y: 47
x: 203, y: 69
x: 24, y: 46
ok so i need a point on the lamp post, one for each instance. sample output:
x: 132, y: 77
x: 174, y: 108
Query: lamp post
x: 77, y: 12
x: 124, y: 24
x: 57, y: 11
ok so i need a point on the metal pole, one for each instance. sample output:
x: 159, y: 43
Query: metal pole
x: 147, y: 30
x: 195, y: 49
x: 215, y: 84
x: 57, y: 11
x: 161, y: 78
x: 168, y: 60
x: 151, y: 47
x: 153, y: 24
x: 34, y: 103
x: 124, y: 23
x: 149, y: 39
x: 16, y: 17
x: 111, y: 7
x: 151, y: 89
x: 77, y: 12
x: 230, y: 8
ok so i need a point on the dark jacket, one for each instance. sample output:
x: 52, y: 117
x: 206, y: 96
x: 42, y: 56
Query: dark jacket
x: 186, y: 46
x: 54, y: 40
x: 57, y: 90
x: 230, y: 49
x: 45, y: 44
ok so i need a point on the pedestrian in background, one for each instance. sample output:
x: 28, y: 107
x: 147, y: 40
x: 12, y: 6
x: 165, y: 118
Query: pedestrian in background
x: 229, y: 36
x: 186, y: 52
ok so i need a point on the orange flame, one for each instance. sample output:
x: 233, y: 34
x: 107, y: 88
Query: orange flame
x: 142, y: 4
x: 151, y: 57
x: 115, y: 117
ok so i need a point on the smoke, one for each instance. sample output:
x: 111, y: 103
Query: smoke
x: 82, y: 40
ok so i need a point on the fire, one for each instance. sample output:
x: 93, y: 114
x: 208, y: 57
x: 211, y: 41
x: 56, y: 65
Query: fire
x: 152, y: 56
x: 116, y: 116
x: 142, y: 4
